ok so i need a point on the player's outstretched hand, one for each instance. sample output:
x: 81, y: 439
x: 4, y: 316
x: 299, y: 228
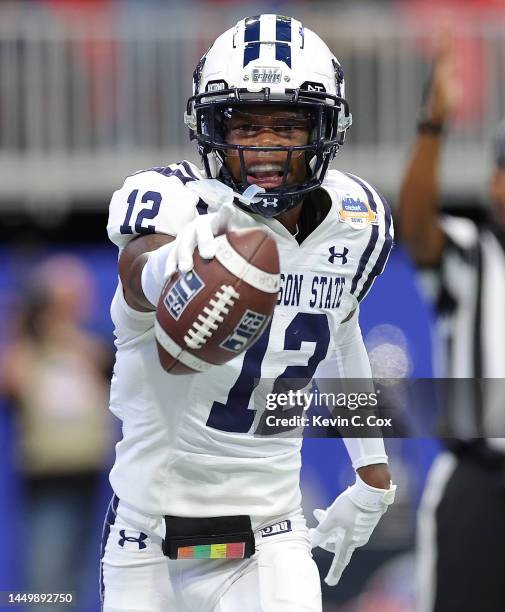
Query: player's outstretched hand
x: 349, y: 522
x: 178, y: 255
x: 201, y: 233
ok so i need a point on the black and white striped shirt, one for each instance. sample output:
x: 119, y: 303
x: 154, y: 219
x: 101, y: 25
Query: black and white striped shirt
x: 469, y: 293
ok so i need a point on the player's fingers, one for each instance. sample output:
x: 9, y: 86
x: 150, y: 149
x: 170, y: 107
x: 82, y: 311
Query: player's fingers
x: 319, y: 515
x: 335, y: 541
x: 343, y: 561
x: 186, y: 243
x: 315, y: 538
x: 317, y: 535
x: 335, y: 573
x: 222, y: 218
x: 205, y: 239
x: 170, y: 264
x: 339, y: 563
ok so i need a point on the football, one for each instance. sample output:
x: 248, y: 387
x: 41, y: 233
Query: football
x: 216, y: 311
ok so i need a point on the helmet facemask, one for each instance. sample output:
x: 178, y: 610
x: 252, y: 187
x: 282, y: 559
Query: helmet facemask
x: 324, y: 118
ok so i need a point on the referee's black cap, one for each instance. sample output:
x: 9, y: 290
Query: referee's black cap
x: 499, y: 146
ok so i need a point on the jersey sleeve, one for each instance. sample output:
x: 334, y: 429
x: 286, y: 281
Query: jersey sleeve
x: 128, y: 322
x: 349, y: 364
x: 152, y: 201
x: 348, y: 357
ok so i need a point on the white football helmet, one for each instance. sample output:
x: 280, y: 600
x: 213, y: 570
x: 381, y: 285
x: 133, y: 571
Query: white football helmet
x: 272, y: 60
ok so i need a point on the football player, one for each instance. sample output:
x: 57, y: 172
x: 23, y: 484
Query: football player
x: 205, y: 515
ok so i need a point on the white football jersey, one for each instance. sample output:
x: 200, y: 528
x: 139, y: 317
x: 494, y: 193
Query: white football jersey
x: 188, y: 446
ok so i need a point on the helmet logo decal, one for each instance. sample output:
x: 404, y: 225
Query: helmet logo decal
x: 218, y: 85
x: 266, y: 75
x: 269, y: 202
x: 312, y: 86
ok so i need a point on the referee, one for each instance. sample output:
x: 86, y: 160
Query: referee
x: 461, y: 527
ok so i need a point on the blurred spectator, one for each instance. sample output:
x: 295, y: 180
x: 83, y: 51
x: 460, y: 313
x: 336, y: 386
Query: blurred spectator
x: 97, y: 52
x: 461, y: 528
x: 471, y: 52
x: 54, y: 374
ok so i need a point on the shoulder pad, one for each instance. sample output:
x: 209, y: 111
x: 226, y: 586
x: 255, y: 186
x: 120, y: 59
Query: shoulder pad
x: 155, y: 200
x: 362, y: 207
x: 358, y: 203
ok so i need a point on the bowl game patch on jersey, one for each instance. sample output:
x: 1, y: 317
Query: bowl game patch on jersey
x: 356, y: 212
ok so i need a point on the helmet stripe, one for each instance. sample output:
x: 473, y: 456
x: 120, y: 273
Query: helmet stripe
x: 283, y: 39
x: 252, y: 29
x: 283, y: 28
x: 251, y: 39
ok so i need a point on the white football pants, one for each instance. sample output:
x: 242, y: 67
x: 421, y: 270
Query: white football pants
x: 135, y: 575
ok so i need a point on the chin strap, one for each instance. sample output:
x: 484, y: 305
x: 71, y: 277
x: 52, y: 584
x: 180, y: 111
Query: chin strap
x: 215, y: 193
x: 249, y: 195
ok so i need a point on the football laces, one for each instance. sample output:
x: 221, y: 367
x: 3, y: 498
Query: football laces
x: 213, y: 314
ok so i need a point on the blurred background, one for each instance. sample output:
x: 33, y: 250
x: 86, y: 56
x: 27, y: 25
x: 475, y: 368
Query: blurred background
x: 93, y: 90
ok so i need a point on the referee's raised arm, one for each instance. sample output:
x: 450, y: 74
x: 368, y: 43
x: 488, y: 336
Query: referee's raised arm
x: 419, y: 193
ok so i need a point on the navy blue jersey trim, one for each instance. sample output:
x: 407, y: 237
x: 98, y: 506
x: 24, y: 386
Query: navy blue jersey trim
x: 384, y: 254
x: 373, y: 237
x: 169, y: 171
x: 202, y: 207
x: 178, y: 173
x: 110, y: 519
x: 367, y: 253
x: 188, y: 170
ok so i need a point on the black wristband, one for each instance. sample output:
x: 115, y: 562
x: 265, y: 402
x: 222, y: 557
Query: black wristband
x: 425, y: 126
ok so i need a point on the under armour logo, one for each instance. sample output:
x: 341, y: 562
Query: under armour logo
x: 139, y: 540
x: 269, y: 202
x: 334, y: 255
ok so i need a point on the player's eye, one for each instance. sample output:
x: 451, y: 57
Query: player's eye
x: 286, y: 129
x: 250, y: 129
x: 246, y: 129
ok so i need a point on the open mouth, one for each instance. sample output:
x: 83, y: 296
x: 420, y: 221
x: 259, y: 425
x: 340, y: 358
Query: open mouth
x: 268, y: 176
